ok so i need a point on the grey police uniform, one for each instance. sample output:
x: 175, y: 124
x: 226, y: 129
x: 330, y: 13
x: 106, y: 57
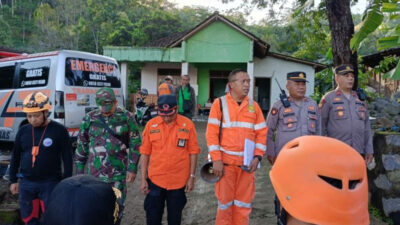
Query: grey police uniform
x: 346, y: 120
x: 292, y: 122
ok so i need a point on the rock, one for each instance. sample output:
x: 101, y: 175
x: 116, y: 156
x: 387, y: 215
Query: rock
x: 394, y: 176
x: 391, y: 162
x: 382, y: 182
x: 392, y: 108
x: 380, y: 104
x: 390, y: 205
x: 383, y: 122
x: 370, y: 89
x: 396, y: 96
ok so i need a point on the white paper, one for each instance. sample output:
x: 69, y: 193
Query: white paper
x: 249, y: 147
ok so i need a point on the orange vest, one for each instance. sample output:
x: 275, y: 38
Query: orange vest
x: 165, y: 89
x: 169, y: 148
x: 238, y: 123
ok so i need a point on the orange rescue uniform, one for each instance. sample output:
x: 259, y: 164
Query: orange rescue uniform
x: 235, y: 190
x: 169, y: 148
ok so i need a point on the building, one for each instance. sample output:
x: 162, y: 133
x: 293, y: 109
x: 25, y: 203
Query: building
x: 207, y: 53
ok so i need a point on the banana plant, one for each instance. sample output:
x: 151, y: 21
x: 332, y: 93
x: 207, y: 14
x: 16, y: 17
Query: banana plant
x: 372, y: 20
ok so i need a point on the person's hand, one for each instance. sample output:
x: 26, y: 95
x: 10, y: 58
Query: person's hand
x: 253, y: 165
x: 130, y: 177
x: 189, y: 185
x: 271, y: 159
x: 218, y: 168
x: 14, y: 188
x: 368, y: 158
x: 144, y: 187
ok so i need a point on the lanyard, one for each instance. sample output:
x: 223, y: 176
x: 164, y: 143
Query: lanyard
x: 35, y: 149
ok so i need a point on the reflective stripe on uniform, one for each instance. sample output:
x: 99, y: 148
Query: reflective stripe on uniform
x: 241, y: 204
x: 214, y: 121
x: 225, y: 109
x: 261, y: 146
x: 260, y: 126
x: 232, y: 152
x: 213, y: 148
x: 224, y: 206
x: 238, y: 124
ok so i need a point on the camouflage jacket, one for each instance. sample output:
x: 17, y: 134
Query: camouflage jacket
x: 107, y: 156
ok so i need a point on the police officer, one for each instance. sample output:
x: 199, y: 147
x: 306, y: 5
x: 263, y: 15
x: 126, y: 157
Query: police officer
x: 344, y: 116
x: 168, y: 162
x: 108, y: 141
x: 299, y: 119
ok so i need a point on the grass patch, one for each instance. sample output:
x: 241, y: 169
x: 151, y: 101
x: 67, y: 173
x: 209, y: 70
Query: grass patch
x: 379, y: 214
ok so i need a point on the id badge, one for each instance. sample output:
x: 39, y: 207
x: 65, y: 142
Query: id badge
x: 181, y: 143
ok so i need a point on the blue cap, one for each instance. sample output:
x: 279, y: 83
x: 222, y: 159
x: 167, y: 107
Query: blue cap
x: 81, y: 200
x: 167, y: 105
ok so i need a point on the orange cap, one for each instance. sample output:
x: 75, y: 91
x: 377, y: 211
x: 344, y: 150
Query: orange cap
x: 321, y: 180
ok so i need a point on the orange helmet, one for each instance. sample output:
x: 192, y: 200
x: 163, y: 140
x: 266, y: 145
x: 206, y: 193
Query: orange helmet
x: 321, y: 180
x: 36, y: 102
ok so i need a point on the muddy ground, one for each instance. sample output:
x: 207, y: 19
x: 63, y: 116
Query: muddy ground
x: 202, y: 205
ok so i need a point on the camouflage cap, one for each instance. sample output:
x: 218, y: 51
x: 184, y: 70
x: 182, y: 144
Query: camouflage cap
x: 104, y: 95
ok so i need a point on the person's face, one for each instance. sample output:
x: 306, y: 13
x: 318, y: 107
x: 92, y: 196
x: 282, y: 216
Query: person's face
x: 297, y: 90
x: 240, y: 85
x: 345, y: 82
x: 36, y: 119
x: 185, y: 80
x: 169, y: 81
x: 107, y: 107
x: 169, y: 119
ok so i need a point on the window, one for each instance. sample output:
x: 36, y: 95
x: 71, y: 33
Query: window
x: 91, y: 73
x: 34, y: 74
x: 6, y: 77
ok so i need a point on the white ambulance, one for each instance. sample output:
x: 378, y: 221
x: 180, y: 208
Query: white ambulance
x: 69, y: 78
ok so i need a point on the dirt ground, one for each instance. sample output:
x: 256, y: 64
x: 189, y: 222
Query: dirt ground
x: 202, y: 205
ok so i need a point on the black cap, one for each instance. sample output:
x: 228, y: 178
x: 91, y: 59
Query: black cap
x: 344, y: 69
x: 167, y: 105
x: 80, y: 200
x: 296, y: 76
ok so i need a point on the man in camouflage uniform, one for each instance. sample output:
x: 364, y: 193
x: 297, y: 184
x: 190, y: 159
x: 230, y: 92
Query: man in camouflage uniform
x: 299, y: 119
x: 108, y: 142
x: 344, y: 116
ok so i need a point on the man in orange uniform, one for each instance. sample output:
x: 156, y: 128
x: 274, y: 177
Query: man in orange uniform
x: 168, y: 162
x: 242, y: 119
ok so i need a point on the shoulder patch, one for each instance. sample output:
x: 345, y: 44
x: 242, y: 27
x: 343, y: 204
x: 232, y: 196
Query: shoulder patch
x: 274, y: 111
x: 321, y: 103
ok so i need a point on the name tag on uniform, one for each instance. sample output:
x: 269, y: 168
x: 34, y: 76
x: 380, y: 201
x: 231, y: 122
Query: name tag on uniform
x: 311, y: 108
x: 155, y: 131
x: 251, y: 108
x: 181, y: 143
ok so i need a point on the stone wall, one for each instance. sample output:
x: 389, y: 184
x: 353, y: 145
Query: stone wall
x: 384, y: 175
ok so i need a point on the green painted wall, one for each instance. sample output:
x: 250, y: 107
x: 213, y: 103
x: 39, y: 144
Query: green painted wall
x: 218, y: 43
x: 144, y: 54
x: 203, y: 77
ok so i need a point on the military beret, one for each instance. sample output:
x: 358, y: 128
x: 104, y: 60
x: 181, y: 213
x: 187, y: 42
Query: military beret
x: 344, y: 69
x: 296, y: 76
x: 81, y: 200
x: 167, y: 105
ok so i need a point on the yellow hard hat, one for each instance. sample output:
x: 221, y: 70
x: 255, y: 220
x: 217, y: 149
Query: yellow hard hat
x: 36, y: 102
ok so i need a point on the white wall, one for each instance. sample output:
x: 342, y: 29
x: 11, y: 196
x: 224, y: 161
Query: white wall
x: 272, y: 67
x: 149, y: 75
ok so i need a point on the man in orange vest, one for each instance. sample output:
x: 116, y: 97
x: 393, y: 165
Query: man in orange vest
x: 168, y: 162
x: 234, y: 118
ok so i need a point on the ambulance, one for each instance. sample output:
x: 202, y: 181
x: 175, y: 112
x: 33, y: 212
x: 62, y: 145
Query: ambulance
x: 69, y: 78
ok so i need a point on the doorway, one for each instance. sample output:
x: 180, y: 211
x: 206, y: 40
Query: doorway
x: 218, y: 81
x: 262, y: 93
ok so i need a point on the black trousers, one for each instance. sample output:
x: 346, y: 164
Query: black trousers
x: 155, y: 201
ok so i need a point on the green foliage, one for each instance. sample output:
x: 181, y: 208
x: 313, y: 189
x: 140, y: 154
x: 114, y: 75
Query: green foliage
x: 378, y: 214
x: 5, y: 33
x: 323, y: 83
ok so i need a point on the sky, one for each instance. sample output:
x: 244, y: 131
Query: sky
x: 256, y: 14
